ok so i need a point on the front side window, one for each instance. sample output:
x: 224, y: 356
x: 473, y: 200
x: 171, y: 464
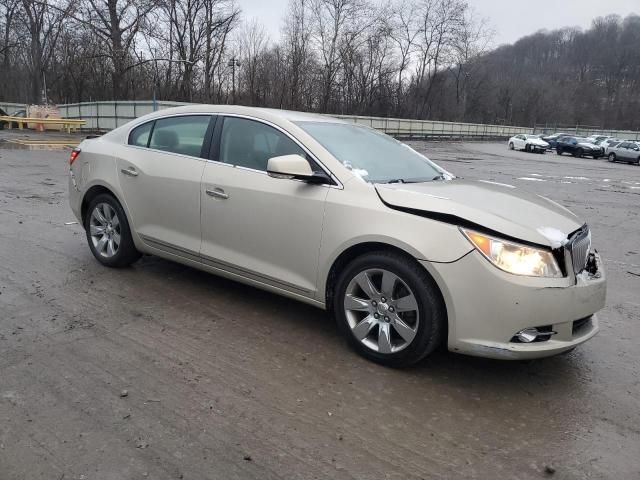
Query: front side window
x: 183, y: 135
x: 249, y: 143
x: 139, y: 136
x: 374, y: 156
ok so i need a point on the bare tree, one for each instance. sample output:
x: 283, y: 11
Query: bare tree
x: 252, y: 44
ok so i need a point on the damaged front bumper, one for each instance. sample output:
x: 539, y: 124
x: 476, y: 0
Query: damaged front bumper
x: 488, y: 307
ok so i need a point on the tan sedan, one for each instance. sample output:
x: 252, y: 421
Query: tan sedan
x: 403, y: 254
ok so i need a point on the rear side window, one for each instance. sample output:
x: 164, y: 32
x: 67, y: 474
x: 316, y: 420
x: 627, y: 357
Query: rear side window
x: 139, y: 136
x: 183, y: 135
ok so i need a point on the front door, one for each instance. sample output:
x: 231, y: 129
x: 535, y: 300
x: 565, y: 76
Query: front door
x: 263, y: 228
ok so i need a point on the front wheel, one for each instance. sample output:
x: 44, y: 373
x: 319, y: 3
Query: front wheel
x: 108, y: 232
x: 612, y: 157
x: 558, y: 150
x: 389, y: 308
x: 511, y: 146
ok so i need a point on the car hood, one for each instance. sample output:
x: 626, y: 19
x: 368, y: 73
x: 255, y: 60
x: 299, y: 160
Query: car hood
x: 538, y: 141
x: 589, y: 145
x: 498, y: 207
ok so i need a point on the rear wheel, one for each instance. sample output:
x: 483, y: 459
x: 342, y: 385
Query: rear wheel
x: 389, y: 308
x: 108, y: 232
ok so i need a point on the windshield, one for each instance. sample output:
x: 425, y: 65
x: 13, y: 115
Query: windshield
x: 374, y: 156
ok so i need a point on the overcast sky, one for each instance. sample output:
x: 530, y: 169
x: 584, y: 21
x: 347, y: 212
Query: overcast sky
x: 511, y: 19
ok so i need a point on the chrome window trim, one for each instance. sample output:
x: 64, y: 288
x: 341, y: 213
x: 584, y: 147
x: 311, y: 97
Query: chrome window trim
x: 326, y: 170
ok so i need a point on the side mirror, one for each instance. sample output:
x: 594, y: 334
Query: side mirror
x: 294, y: 167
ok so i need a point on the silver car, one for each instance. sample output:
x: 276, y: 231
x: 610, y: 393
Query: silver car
x: 625, y: 152
x: 405, y: 256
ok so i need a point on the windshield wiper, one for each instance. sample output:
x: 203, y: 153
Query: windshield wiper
x: 396, y: 180
x: 438, y: 177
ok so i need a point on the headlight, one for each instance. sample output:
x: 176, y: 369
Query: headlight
x: 513, y: 257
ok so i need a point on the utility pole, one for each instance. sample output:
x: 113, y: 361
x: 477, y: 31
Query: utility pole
x: 233, y: 63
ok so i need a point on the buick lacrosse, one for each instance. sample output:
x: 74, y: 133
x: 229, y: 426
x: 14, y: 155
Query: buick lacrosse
x: 404, y: 255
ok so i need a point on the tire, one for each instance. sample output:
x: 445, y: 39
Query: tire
x: 527, y: 148
x: 112, y: 253
x: 558, y: 150
x: 612, y: 157
x: 511, y: 147
x: 579, y: 153
x: 411, y: 287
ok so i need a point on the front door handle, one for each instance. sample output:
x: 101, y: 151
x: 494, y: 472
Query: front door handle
x: 130, y: 171
x: 217, y: 193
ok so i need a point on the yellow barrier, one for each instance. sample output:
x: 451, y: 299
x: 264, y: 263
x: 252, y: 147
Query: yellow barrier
x: 67, y: 123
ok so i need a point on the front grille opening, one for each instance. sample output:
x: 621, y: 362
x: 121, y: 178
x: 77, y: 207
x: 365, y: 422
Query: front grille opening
x: 579, y: 247
x: 580, y: 325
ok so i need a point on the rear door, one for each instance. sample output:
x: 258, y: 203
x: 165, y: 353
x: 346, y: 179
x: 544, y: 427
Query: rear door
x: 160, y: 178
x: 623, y: 151
x: 254, y: 225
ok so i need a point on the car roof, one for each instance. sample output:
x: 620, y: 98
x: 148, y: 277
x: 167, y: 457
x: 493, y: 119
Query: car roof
x: 260, y: 112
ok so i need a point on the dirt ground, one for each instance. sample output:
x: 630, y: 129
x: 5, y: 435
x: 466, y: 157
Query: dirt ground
x: 224, y: 381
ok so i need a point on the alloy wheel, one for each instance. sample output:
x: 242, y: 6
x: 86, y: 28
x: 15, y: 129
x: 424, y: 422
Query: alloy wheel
x: 104, y: 228
x: 381, y: 310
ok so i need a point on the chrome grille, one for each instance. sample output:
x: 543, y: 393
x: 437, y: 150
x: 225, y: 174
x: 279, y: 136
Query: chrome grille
x: 580, y: 246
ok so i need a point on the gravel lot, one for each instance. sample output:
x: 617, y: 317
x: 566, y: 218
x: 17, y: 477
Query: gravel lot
x: 163, y: 372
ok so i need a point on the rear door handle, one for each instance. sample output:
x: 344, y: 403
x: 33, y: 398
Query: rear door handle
x: 130, y: 171
x: 217, y: 193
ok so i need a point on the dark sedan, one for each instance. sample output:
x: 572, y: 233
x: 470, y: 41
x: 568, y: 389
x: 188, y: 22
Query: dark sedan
x: 578, y: 147
x: 552, y: 140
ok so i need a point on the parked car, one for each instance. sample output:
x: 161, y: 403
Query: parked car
x: 553, y: 139
x: 528, y: 143
x: 578, y: 147
x: 610, y: 142
x: 405, y: 255
x: 625, y: 152
x: 597, y: 139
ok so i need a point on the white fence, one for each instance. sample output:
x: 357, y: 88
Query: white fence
x: 112, y: 114
x: 109, y: 115
x: 11, y: 107
x: 398, y: 127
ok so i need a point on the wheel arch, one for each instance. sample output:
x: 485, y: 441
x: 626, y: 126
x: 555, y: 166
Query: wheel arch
x: 359, y: 249
x: 98, y: 188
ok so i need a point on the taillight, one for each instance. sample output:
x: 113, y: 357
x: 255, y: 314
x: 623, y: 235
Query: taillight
x: 74, y: 154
